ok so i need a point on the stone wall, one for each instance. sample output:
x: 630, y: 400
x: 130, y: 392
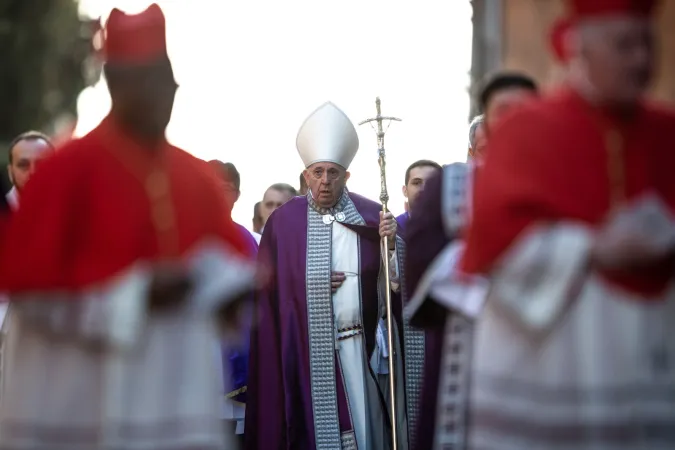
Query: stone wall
x: 526, y: 43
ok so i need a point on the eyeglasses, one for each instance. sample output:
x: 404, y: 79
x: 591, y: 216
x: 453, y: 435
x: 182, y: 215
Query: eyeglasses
x: 333, y: 174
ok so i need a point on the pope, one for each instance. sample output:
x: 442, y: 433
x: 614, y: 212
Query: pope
x: 318, y: 375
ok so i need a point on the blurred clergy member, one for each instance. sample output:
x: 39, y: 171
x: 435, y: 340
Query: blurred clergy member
x: 477, y: 137
x: 26, y: 152
x: 121, y: 251
x: 275, y: 196
x: 317, y: 373
x: 434, y: 240
x: 573, y: 220
x: 416, y: 176
x: 233, y: 354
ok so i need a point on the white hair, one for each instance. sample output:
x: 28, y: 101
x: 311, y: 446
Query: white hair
x: 473, y: 127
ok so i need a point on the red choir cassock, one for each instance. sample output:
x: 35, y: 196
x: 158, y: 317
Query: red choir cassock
x: 104, y: 202
x: 78, y: 264
x: 561, y: 158
x: 562, y: 355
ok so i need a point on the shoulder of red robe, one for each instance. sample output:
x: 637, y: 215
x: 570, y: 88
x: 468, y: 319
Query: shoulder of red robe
x: 661, y: 118
x: 584, y: 9
x: 135, y: 38
x: 516, y: 167
x: 29, y: 258
x: 664, y: 112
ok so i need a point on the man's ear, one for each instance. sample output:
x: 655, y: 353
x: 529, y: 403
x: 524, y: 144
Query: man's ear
x: 347, y: 175
x: 9, y: 174
x: 305, y: 175
x: 238, y: 195
x: 405, y: 191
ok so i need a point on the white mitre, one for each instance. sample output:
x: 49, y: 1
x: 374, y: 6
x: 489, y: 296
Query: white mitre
x: 327, y: 135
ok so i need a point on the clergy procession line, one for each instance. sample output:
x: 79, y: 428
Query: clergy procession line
x: 530, y: 289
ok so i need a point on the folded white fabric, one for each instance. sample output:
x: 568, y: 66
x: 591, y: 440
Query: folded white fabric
x: 452, y: 289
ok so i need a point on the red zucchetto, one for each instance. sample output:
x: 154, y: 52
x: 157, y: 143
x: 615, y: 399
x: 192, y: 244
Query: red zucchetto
x: 586, y: 9
x: 135, y: 38
x: 589, y: 9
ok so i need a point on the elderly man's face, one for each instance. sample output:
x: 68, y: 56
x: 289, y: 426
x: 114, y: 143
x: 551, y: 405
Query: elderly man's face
x: 26, y: 156
x: 326, y: 181
x: 617, y: 57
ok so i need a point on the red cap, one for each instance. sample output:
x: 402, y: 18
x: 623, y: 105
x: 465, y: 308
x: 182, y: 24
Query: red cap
x: 582, y: 9
x: 135, y: 38
x: 558, y: 34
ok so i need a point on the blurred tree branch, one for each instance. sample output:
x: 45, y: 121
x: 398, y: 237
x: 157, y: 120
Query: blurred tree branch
x: 44, y: 46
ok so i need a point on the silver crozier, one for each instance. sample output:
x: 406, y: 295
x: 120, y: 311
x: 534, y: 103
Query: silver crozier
x: 384, y: 198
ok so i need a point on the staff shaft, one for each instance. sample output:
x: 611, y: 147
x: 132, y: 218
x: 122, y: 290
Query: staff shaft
x: 390, y: 342
x: 384, y: 199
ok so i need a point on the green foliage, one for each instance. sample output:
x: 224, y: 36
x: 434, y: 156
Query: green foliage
x: 43, y: 45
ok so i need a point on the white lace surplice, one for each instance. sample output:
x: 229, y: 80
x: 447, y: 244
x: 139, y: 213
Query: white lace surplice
x: 576, y: 357
x: 347, y: 311
x: 95, y: 371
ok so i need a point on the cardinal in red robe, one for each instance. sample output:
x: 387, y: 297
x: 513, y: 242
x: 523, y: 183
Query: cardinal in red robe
x: 573, y: 221
x: 122, y: 251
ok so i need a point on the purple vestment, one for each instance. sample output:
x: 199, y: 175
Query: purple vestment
x: 235, y: 360
x: 425, y: 238
x: 402, y: 221
x: 296, y: 396
x: 251, y: 243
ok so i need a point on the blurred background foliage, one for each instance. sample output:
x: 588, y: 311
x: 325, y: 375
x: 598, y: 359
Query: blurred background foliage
x: 45, y: 47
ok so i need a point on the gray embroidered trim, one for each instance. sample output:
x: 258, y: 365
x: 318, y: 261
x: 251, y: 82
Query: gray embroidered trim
x: 455, y: 197
x: 348, y: 439
x: 453, y: 396
x: 321, y: 329
x: 413, y: 347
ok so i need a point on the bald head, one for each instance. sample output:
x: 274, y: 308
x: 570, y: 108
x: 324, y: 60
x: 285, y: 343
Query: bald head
x: 612, y: 58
